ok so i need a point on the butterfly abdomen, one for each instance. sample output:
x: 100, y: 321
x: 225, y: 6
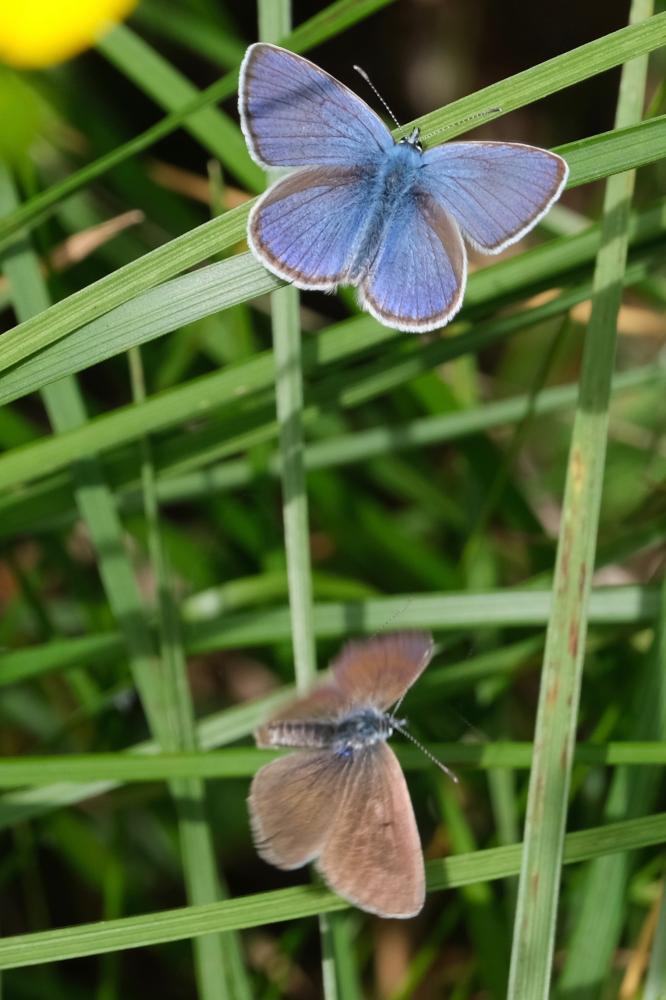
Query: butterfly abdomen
x: 311, y: 734
x: 354, y: 731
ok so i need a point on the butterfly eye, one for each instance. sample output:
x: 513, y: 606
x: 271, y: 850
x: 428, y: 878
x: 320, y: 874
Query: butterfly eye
x: 412, y: 139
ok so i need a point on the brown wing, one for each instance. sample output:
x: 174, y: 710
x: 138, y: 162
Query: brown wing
x: 292, y: 803
x: 324, y: 702
x: 372, y: 854
x: 378, y: 671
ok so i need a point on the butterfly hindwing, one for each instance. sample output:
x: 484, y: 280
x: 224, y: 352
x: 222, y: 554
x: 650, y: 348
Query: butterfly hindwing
x: 372, y: 852
x: 306, y: 227
x: 417, y: 279
x: 292, y: 803
x: 294, y: 114
x: 496, y: 191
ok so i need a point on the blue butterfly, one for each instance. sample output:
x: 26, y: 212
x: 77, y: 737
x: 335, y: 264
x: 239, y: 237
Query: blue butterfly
x: 366, y: 211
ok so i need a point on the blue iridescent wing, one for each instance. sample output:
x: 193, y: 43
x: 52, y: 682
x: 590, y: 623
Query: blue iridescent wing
x: 294, y: 114
x: 496, y: 191
x: 417, y: 279
x: 306, y: 227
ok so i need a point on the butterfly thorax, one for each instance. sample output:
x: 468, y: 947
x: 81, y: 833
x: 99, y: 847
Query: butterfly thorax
x: 355, y: 731
x: 395, y: 177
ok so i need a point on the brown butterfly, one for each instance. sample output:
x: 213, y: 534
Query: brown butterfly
x: 341, y: 800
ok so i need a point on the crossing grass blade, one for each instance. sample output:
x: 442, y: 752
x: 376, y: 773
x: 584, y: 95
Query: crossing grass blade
x: 225, y: 727
x: 143, y: 764
x: 254, y: 423
x: 538, y: 889
x: 220, y: 969
x: 288, y: 904
x: 599, y: 923
x: 216, y: 132
x: 621, y: 149
x: 219, y: 286
x: 218, y: 959
x: 323, y: 25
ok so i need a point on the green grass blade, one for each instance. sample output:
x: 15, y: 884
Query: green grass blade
x: 219, y: 965
x: 325, y: 24
x: 548, y: 77
x: 207, y: 393
x: 333, y: 20
x: 655, y: 983
x: 156, y: 77
x: 290, y: 904
x: 538, y: 890
x: 66, y: 409
x: 95, y: 502
x: 487, y: 929
x: 289, y: 400
x: 218, y: 286
x: 207, y: 631
x: 274, y: 24
x: 19, y: 512
x: 185, y: 27
x: 625, y: 147
x: 144, y: 764
x: 600, y: 918
x: 345, y: 449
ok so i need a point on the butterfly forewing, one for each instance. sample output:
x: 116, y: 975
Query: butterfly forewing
x: 378, y: 671
x: 294, y: 114
x: 372, y: 853
x: 292, y: 804
x: 496, y: 191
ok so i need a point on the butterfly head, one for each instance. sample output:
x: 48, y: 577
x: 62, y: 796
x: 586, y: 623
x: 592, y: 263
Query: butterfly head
x: 413, y: 139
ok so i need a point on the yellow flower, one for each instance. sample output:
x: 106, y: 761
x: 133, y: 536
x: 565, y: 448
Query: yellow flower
x: 39, y: 33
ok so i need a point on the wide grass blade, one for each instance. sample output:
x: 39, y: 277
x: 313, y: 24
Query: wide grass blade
x: 600, y: 920
x: 165, y: 704
x: 624, y: 148
x: 220, y: 970
x: 274, y: 24
x: 216, y: 132
x: 304, y: 901
x: 538, y: 891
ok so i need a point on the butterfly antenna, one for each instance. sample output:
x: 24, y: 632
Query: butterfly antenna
x: 361, y: 72
x: 463, y: 121
x: 396, y: 614
x: 405, y: 732
x: 396, y: 707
